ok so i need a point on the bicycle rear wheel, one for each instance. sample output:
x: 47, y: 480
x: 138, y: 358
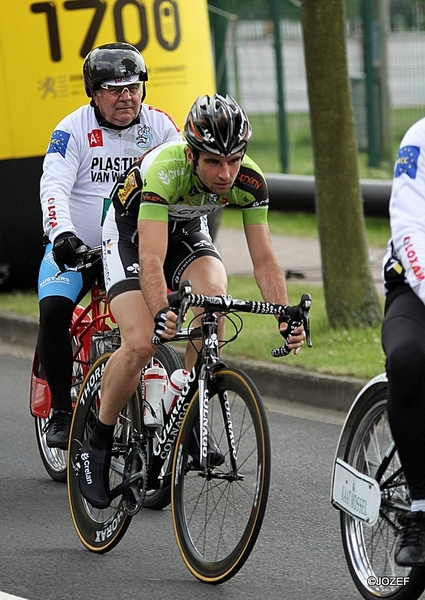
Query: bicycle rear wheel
x: 54, y: 459
x: 369, y: 551
x: 100, y: 530
x: 157, y: 499
x: 217, y: 513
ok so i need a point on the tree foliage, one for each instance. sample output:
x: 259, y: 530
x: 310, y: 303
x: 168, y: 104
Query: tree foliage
x: 350, y: 294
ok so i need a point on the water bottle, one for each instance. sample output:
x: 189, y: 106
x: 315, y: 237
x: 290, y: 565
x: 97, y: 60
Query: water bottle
x: 155, y: 380
x: 175, y: 385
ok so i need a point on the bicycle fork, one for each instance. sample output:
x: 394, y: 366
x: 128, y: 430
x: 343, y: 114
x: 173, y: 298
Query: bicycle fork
x: 205, y: 377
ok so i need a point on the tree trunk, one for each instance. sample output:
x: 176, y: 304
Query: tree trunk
x: 350, y: 294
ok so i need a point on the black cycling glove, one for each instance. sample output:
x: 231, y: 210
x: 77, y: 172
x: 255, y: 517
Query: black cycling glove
x: 292, y: 319
x: 160, y: 318
x: 65, y: 249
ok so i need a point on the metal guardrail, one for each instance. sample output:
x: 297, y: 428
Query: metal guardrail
x: 297, y: 193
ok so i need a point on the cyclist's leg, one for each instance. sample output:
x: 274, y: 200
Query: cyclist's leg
x: 403, y: 337
x: 122, y: 372
x: 120, y: 259
x: 57, y: 299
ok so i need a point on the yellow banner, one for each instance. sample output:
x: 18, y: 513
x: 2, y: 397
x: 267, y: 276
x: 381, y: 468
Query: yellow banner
x: 43, y: 45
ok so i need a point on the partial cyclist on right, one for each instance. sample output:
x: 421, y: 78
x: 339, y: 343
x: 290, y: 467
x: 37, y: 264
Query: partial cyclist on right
x: 378, y: 477
x: 403, y: 334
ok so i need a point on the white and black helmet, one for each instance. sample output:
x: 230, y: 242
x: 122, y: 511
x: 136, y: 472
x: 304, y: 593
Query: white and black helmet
x: 217, y: 125
x: 112, y: 61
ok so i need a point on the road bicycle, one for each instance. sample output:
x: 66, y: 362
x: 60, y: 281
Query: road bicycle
x: 93, y: 333
x: 217, y: 508
x: 370, y: 490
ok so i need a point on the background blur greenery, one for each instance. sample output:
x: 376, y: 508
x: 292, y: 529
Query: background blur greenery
x: 265, y: 141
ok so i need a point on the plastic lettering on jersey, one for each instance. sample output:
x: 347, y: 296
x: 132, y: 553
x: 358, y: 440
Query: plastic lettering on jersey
x: 407, y: 161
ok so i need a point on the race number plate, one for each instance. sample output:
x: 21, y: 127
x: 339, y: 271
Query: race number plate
x: 355, y: 493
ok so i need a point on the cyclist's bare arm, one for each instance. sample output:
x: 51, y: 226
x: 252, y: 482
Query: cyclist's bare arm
x: 269, y: 275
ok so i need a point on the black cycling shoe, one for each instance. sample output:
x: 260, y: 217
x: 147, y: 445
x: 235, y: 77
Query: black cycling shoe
x: 410, y: 550
x: 93, y: 478
x: 57, y: 429
x: 214, y: 456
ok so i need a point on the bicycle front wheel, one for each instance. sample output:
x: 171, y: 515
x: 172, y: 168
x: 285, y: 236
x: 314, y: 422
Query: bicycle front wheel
x: 369, y: 551
x: 100, y: 530
x: 217, y: 513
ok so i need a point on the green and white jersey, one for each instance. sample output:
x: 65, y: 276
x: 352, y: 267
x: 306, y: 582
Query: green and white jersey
x: 162, y: 186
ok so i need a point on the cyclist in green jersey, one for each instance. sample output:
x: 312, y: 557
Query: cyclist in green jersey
x: 155, y: 236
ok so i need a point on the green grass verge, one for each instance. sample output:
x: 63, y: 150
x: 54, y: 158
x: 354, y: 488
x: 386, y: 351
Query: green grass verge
x: 355, y: 352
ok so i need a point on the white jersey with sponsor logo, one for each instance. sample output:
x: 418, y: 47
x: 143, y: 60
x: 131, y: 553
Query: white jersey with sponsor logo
x: 405, y: 258
x: 82, y: 163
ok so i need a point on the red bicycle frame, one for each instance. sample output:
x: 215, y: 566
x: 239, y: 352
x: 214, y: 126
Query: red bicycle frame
x: 86, y: 321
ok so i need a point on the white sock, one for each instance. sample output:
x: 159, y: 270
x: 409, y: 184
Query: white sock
x: 418, y: 505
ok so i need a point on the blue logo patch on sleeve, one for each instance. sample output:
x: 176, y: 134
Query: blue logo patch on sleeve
x: 407, y: 161
x: 59, y: 142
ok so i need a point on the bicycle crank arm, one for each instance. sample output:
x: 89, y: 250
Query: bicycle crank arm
x: 128, y: 481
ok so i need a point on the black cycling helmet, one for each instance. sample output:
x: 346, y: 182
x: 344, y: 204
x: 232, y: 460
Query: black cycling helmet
x: 112, y: 61
x: 217, y: 125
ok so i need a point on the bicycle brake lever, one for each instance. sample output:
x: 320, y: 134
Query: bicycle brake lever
x: 295, y: 315
x: 184, y: 291
x: 178, y: 300
x: 305, y: 305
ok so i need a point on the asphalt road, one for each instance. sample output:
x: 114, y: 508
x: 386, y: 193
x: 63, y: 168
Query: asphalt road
x: 298, y: 554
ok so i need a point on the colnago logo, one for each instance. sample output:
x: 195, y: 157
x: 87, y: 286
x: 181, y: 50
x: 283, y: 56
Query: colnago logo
x: 92, y: 384
x: 106, y: 533
x: 205, y: 402
x: 230, y: 428
x: 172, y: 428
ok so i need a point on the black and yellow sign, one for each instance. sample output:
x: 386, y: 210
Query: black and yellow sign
x: 43, y: 45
